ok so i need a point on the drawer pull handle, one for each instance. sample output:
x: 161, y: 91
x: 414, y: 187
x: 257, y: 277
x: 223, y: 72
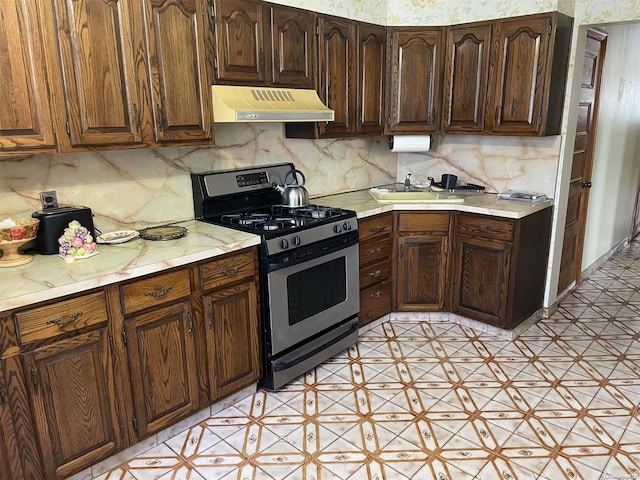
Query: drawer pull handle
x: 210, y: 313
x: 376, y: 229
x: 159, y: 293
x: 375, y: 295
x: 3, y: 395
x: 375, y: 251
x: 63, y: 323
x: 375, y: 274
x: 34, y: 378
x: 486, y: 228
x: 190, y: 322
x: 231, y: 271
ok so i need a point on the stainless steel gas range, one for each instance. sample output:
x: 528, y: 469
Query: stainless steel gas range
x: 309, y: 276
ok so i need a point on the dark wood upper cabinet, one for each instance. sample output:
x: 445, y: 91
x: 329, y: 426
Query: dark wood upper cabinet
x: 263, y: 44
x: 466, y: 73
x: 372, y: 44
x: 180, y: 77
x: 25, y: 115
x: 337, y: 74
x: 240, y: 51
x: 415, y: 79
x: 98, y: 62
x: 293, y: 47
x: 528, y: 74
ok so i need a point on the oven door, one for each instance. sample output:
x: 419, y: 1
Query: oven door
x: 312, y: 296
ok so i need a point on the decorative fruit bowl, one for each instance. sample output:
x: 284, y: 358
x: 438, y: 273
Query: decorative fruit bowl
x: 13, y: 237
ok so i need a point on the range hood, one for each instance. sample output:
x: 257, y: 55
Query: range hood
x: 265, y: 104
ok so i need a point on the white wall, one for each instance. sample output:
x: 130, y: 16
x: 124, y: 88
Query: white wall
x: 617, y: 150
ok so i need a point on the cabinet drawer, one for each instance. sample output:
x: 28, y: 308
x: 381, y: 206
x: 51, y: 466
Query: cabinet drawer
x: 61, y: 317
x: 374, y: 252
x: 375, y: 302
x: 424, y: 222
x: 487, y: 227
x: 378, y: 226
x: 374, y: 274
x: 228, y: 270
x: 156, y: 290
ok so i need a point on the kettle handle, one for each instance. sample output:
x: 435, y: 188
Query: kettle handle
x: 294, y: 171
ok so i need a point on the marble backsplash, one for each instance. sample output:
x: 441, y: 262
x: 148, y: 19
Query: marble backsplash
x: 138, y: 188
x: 498, y: 163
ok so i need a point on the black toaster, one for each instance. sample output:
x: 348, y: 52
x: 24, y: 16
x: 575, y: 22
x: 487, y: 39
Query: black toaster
x: 54, y: 220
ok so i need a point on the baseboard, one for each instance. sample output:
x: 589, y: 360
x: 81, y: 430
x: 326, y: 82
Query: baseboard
x: 600, y: 261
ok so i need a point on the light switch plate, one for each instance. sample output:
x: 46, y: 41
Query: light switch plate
x: 49, y: 199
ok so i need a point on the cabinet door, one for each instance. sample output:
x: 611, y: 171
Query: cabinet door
x: 337, y: 74
x: 163, y: 368
x: 180, y: 47
x: 415, y: 80
x: 466, y: 73
x: 372, y: 44
x: 240, y: 43
x: 481, y: 280
x: 293, y: 47
x: 72, y: 393
x: 96, y: 47
x: 25, y: 115
x: 19, y: 454
x: 422, y: 272
x: 519, y: 61
x: 232, y: 338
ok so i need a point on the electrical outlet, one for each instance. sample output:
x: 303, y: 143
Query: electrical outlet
x: 49, y: 199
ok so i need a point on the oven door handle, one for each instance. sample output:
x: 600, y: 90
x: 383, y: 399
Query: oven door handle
x: 285, y: 365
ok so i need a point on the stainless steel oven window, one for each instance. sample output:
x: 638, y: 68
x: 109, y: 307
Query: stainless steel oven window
x: 320, y: 308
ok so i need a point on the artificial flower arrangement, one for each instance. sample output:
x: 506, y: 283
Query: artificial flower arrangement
x: 76, y: 242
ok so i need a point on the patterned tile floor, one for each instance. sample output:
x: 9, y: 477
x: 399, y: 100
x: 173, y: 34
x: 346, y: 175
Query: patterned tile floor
x: 436, y: 400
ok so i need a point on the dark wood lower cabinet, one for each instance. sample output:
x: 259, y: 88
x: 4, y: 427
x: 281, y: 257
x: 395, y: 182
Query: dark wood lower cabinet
x: 163, y: 366
x: 19, y: 452
x: 500, y: 267
x: 72, y: 384
x: 232, y: 338
x: 422, y: 253
x: 376, y: 250
x: 482, y: 280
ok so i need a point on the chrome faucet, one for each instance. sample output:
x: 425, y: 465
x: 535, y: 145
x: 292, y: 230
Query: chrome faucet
x: 407, y: 183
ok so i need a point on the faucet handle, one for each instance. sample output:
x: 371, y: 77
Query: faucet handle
x: 407, y: 182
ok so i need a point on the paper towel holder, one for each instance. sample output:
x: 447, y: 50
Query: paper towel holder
x: 410, y: 143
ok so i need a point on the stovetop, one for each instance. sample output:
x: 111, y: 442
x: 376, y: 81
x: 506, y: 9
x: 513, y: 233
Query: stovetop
x: 280, y: 219
x: 244, y: 199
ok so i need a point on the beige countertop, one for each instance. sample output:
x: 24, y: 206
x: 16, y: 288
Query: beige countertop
x: 483, y: 203
x: 49, y: 277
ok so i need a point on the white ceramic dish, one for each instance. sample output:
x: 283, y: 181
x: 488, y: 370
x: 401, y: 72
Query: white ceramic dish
x: 119, y: 236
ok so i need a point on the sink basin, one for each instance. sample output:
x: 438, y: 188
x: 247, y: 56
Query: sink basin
x: 390, y: 196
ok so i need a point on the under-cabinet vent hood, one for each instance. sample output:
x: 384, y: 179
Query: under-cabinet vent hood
x: 264, y: 104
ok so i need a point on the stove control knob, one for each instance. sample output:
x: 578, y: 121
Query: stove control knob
x: 337, y: 228
x: 284, y: 243
x: 347, y: 226
x: 296, y: 240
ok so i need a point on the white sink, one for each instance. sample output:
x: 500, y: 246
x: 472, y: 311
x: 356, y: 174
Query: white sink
x: 383, y: 195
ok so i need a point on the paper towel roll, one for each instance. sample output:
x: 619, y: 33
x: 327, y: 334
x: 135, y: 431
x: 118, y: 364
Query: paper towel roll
x: 410, y: 143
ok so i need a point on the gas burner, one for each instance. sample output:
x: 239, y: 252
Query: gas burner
x: 271, y: 225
